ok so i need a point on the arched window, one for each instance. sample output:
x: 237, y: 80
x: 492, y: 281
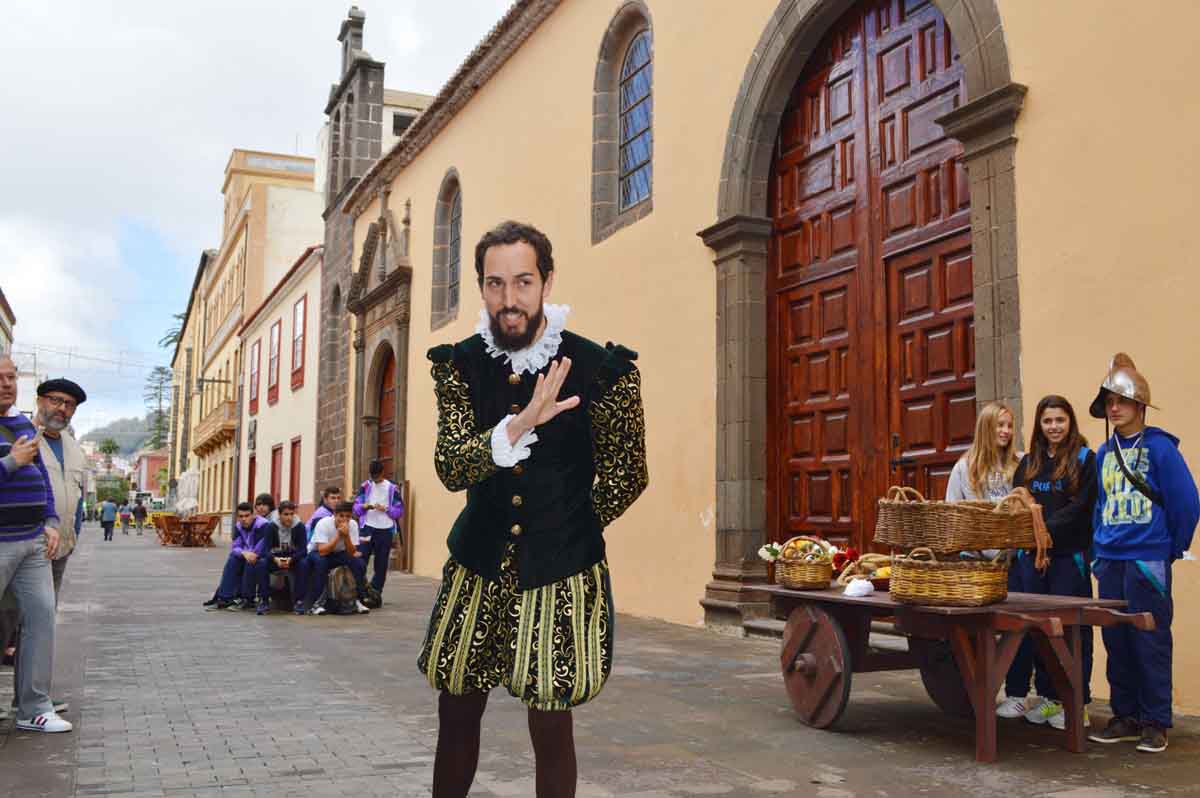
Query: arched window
x: 447, y: 252
x: 623, y: 122
x: 637, y: 110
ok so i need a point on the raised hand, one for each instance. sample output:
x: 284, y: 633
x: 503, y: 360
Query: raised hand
x: 26, y: 449
x: 545, y: 404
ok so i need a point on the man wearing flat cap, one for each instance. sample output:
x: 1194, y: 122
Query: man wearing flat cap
x: 56, y: 404
x: 60, y: 453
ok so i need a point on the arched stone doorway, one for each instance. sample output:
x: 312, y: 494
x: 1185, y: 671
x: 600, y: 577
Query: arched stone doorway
x: 743, y: 236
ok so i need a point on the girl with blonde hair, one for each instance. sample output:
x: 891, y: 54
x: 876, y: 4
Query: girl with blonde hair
x: 985, y: 472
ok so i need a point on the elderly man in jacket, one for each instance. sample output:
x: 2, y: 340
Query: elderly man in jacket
x: 28, y: 542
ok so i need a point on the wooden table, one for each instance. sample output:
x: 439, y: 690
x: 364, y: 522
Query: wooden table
x: 198, y: 531
x: 963, y: 653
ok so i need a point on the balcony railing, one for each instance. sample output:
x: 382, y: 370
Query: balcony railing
x: 216, y: 428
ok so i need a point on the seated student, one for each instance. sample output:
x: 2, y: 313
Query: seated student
x: 264, y: 507
x: 378, y: 507
x: 330, y: 497
x: 334, y: 542
x: 288, y: 552
x: 1146, y: 513
x: 1060, y: 473
x: 236, y: 590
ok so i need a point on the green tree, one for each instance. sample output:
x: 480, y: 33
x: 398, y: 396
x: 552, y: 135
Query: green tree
x: 114, y: 489
x: 158, y: 384
x: 174, y: 332
x: 162, y: 477
x: 108, y: 447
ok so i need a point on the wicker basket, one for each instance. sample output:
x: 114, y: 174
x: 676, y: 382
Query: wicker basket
x: 919, y: 578
x: 804, y: 574
x: 907, y: 521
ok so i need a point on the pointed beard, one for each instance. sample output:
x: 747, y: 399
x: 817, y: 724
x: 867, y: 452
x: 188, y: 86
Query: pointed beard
x: 515, y: 343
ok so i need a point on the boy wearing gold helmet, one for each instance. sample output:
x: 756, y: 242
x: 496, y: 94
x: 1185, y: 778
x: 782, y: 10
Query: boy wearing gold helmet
x: 1146, y: 513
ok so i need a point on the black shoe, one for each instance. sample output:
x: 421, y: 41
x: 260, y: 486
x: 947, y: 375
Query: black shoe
x: 220, y: 605
x: 211, y: 602
x: 1118, y: 730
x: 248, y: 604
x: 263, y: 608
x: 300, y: 609
x: 1154, y: 739
x: 236, y: 604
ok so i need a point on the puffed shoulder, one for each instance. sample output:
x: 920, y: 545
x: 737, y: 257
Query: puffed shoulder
x: 620, y: 351
x: 441, y: 354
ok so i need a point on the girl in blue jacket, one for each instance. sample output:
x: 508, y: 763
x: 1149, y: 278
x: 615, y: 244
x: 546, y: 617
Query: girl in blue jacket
x: 1146, y: 512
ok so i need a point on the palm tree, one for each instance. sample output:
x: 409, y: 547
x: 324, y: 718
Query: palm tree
x: 174, y: 332
x: 108, y: 447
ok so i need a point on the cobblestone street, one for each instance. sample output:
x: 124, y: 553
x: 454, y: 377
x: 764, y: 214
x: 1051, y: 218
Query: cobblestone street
x: 171, y: 701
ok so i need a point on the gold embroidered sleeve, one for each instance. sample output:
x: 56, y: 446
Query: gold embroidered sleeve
x: 619, y: 448
x: 463, y: 455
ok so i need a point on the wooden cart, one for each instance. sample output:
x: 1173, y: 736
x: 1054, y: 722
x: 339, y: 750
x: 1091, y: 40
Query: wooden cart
x: 963, y: 653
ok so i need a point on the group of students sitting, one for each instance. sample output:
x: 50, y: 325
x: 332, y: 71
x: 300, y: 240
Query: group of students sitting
x: 339, y: 533
x: 1123, y: 514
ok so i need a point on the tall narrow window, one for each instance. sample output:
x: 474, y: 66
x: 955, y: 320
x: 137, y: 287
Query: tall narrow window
x: 455, y: 253
x: 299, y: 320
x: 637, y: 110
x: 254, y: 363
x: 447, y: 251
x: 623, y: 122
x: 273, y: 365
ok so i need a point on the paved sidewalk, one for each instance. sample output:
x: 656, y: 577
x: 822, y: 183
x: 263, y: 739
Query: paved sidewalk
x: 172, y: 701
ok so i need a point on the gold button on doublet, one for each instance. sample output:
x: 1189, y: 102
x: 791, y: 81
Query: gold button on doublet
x: 516, y: 529
x: 518, y: 469
x: 514, y: 409
x: 518, y: 501
x: 514, y: 379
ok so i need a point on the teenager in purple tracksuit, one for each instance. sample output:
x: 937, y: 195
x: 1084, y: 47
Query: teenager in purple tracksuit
x: 329, y: 499
x: 250, y: 542
x: 378, y: 507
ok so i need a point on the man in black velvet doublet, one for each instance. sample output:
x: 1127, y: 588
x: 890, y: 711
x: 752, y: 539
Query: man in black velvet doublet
x: 545, y: 431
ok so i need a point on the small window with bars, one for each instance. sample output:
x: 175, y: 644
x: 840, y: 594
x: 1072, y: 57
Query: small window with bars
x: 637, y: 112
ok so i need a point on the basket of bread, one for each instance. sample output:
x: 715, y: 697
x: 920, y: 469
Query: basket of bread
x: 875, y: 567
x: 805, y: 563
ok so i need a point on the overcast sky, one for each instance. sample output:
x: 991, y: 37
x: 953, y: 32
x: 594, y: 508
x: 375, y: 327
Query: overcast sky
x: 119, y: 116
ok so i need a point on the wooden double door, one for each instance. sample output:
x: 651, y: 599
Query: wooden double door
x: 871, y: 370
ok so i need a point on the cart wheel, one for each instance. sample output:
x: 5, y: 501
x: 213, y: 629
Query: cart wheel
x: 941, y: 676
x: 816, y: 666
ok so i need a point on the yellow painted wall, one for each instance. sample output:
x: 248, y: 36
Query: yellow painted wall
x: 650, y: 286
x: 1107, y: 169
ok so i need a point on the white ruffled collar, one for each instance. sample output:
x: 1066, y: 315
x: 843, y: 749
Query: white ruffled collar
x: 537, y: 355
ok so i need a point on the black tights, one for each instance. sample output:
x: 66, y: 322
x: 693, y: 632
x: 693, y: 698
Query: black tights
x: 459, y: 720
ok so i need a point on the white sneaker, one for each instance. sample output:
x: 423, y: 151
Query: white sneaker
x: 360, y: 608
x: 48, y: 722
x: 1047, y: 712
x: 1011, y: 707
x: 1059, y: 719
x: 317, y: 610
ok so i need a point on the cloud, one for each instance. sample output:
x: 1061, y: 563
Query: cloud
x: 116, y: 138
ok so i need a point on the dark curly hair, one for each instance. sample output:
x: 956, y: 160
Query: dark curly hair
x: 510, y: 233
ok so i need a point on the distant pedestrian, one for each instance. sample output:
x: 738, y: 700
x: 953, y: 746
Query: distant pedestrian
x: 139, y: 515
x: 28, y: 542
x: 126, y: 519
x: 108, y: 517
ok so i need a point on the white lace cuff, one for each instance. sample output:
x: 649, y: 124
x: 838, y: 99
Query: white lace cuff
x: 505, y: 454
